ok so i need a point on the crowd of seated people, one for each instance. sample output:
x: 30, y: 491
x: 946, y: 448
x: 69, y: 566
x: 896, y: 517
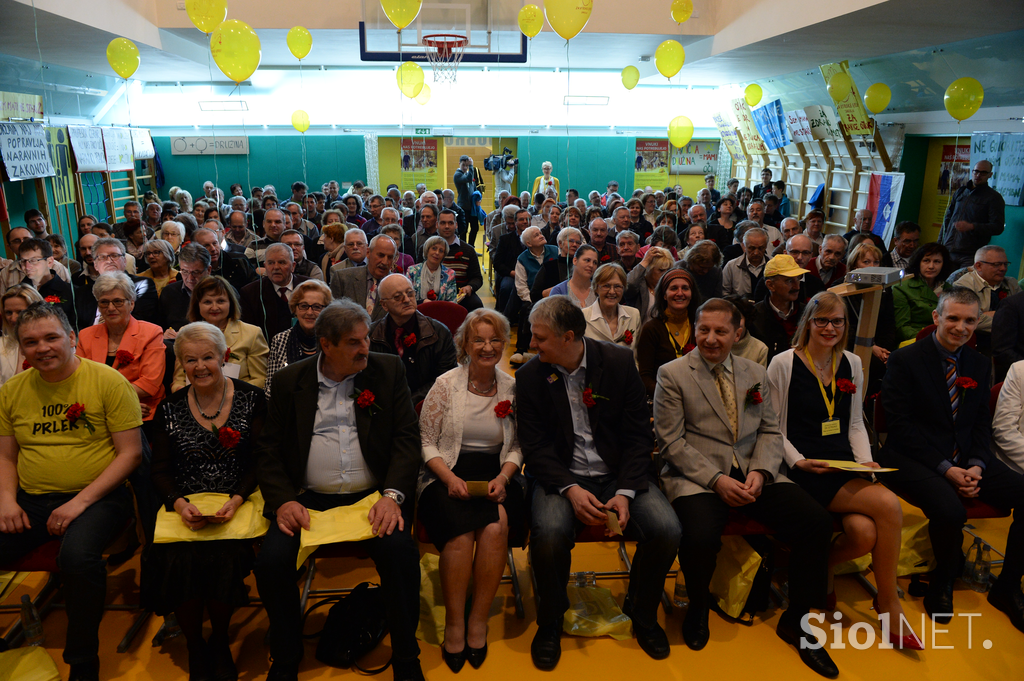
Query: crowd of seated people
x: 219, y: 347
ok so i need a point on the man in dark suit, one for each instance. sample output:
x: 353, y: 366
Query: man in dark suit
x: 231, y: 265
x: 936, y: 400
x: 585, y: 432
x: 108, y: 256
x: 194, y: 266
x: 265, y: 302
x: 506, y: 256
x: 361, y: 284
x: 1008, y: 334
x: 340, y: 427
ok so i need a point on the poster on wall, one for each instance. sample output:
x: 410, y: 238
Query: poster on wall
x: 729, y: 137
x: 1005, y: 151
x: 651, y: 164
x: 117, y: 143
x: 823, y: 123
x: 853, y: 117
x: 884, y: 195
x: 142, y: 144
x: 699, y: 157
x: 87, y: 144
x: 419, y: 162
x: 748, y: 132
x: 208, y: 146
x: 60, y: 154
x: 770, y: 121
x: 954, y: 172
x: 799, y: 126
x: 24, y: 151
x: 17, y: 105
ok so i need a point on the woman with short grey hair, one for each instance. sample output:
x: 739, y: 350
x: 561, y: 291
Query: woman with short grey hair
x: 160, y: 258
x: 430, y: 279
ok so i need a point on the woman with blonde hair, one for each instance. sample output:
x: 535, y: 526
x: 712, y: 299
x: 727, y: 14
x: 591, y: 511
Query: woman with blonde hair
x: 13, y: 302
x: 818, y: 391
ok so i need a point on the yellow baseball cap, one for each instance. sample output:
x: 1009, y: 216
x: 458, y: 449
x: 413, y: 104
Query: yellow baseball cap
x: 783, y: 265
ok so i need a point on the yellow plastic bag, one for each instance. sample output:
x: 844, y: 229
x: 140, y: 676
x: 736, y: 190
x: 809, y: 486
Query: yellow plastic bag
x: 247, y: 523
x: 28, y: 664
x: 852, y: 567
x: 916, y: 554
x: 431, y: 627
x: 734, y: 575
x: 594, y: 612
x: 344, y: 523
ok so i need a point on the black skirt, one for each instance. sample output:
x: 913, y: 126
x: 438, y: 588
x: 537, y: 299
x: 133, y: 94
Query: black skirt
x: 446, y: 517
x: 173, y: 574
x: 824, y: 487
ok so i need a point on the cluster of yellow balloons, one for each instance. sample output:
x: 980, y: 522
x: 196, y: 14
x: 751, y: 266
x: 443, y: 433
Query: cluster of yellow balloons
x: 401, y: 13
x: 123, y: 57
x: 680, y: 131
x: 669, y: 58
x: 752, y: 94
x: 567, y: 17
x: 963, y: 98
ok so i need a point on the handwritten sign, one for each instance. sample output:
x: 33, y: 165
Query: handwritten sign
x: 18, y: 105
x: 87, y: 143
x: 1006, y: 153
x: 748, y: 132
x: 24, y: 151
x: 207, y: 146
x: 117, y: 143
x: 729, y: 136
x: 699, y: 157
x: 853, y: 117
x: 799, y: 126
x: 822, y: 122
x: 770, y: 121
x: 142, y: 144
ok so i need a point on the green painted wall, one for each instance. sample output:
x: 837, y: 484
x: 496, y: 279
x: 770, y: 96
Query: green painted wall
x: 582, y: 163
x: 912, y: 165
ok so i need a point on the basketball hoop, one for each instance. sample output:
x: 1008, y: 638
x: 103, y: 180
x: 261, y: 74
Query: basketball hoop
x: 444, y: 52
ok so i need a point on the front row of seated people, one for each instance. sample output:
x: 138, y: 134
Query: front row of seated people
x: 340, y: 425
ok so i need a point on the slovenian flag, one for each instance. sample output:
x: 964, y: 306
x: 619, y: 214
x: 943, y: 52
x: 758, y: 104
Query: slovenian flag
x: 884, y: 202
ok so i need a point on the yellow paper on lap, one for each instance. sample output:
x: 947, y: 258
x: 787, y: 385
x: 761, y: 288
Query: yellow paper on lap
x: 28, y: 664
x: 247, y: 523
x: 854, y: 466
x: 344, y: 523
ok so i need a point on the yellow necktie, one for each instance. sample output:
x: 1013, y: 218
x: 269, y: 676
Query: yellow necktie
x: 725, y: 390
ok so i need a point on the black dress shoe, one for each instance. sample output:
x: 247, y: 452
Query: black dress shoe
x: 455, y: 661
x: 652, y: 640
x: 1010, y: 601
x: 409, y: 670
x: 476, y: 656
x: 815, y: 658
x: 695, y: 627
x: 546, y: 648
x: 85, y: 671
x: 938, y: 602
x: 283, y: 672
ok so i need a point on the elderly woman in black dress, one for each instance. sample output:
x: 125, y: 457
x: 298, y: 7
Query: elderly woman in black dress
x: 468, y: 430
x: 204, y: 440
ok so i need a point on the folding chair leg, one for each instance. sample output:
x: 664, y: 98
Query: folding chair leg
x: 307, y: 584
x: 516, y: 590
x: 133, y: 631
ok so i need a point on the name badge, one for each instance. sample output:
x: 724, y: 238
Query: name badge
x: 830, y: 427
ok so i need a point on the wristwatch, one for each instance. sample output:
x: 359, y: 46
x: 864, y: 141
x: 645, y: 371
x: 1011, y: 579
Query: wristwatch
x: 393, y: 496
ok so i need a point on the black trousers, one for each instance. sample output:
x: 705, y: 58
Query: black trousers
x: 935, y: 495
x: 785, y: 507
x: 396, y: 557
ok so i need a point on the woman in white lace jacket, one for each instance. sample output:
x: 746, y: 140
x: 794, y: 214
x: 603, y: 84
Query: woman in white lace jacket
x: 469, y: 492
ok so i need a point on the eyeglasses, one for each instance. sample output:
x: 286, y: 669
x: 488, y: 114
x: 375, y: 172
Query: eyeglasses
x: 191, y: 273
x: 109, y: 258
x: 981, y: 172
x: 995, y: 264
x: 800, y: 252
x: 32, y: 261
x: 822, y: 322
x: 400, y: 297
x: 492, y: 342
x: 306, y: 307
x: 116, y: 302
x: 617, y: 288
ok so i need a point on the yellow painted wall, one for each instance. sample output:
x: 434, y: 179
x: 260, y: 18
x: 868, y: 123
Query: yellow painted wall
x: 389, y: 160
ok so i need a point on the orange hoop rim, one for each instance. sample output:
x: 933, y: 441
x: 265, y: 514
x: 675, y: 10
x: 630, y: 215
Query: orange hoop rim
x: 445, y: 43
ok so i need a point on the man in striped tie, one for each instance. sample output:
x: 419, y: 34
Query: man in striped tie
x: 936, y: 399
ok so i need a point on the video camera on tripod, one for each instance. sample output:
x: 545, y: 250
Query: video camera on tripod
x: 498, y: 162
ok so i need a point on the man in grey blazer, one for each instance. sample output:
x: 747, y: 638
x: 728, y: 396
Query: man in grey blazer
x: 721, y: 447
x: 360, y: 284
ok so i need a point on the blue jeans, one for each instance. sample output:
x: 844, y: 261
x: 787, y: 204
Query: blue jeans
x: 83, y: 569
x: 652, y: 525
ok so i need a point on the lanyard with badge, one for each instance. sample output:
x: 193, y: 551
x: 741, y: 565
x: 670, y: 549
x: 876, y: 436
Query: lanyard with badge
x: 829, y: 426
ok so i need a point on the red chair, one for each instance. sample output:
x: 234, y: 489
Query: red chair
x: 927, y: 331
x: 994, y: 397
x: 450, y: 314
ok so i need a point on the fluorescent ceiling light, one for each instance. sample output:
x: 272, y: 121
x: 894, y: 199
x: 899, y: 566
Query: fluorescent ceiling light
x: 224, y: 105
x: 584, y: 100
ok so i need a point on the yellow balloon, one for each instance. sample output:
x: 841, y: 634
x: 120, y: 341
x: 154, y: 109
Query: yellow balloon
x: 207, y: 14
x: 568, y: 17
x: 300, y: 120
x: 669, y: 58
x: 752, y: 94
x: 424, y: 96
x: 840, y: 85
x: 681, y: 10
x: 531, y: 20
x: 300, y: 40
x: 630, y: 77
x: 963, y: 98
x: 410, y: 79
x: 680, y: 131
x: 401, y: 12
x: 236, y: 49
x: 877, y: 97
x: 123, y: 57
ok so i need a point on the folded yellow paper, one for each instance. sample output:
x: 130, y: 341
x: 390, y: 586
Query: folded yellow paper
x: 344, y: 523
x: 247, y: 523
x: 854, y: 467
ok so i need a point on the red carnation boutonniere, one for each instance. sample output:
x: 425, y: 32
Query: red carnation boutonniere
x: 966, y: 383
x: 431, y: 295
x: 227, y: 437
x: 366, y: 400
x: 458, y: 255
x: 690, y: 346
x: 124, y: 358
x: 25, y: 366
x: 228, y: 356
x: 53, y: 300
x: 76, y: 413
x: 1002, y: 294
x: 590, y: 397
x: 753, y: 395
x: 775, y: 243
x: 627, y: 337
x: 503, y: 409
x: 846, y: 386
x: 605, y: 257
x: 409, y: 340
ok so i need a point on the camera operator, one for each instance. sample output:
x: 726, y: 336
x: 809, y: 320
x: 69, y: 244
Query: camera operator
x: 504, y: 173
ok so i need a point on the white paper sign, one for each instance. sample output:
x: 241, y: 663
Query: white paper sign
x: 142, y: 144
x: 206, y: 146
x: 87, y: 143
x: 24, y: 151
x: 117, y: 142
x: 799, y: 126
x: 823, y: 123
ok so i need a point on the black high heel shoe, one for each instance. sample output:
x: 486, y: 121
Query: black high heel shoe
x: 476, y: 656
x: 455, y: 661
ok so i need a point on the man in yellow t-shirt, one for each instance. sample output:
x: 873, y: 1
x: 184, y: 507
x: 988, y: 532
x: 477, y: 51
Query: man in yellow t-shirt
x: 69, y: 437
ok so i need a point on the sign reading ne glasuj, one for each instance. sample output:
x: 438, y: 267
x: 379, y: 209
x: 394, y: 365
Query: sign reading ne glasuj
x: 24, y: 151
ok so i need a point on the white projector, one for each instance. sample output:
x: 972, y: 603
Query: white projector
x: 875, y: 276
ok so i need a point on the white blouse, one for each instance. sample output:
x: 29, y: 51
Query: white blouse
x: 481, y: 431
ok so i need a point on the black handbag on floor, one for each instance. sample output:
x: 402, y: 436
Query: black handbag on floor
x: 356, y: 624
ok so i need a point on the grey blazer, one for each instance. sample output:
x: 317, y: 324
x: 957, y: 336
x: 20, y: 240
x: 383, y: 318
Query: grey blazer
x: 694, y: 436
x: 350, y: 282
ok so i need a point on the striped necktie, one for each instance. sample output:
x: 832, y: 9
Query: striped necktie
x: 954, y: 398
